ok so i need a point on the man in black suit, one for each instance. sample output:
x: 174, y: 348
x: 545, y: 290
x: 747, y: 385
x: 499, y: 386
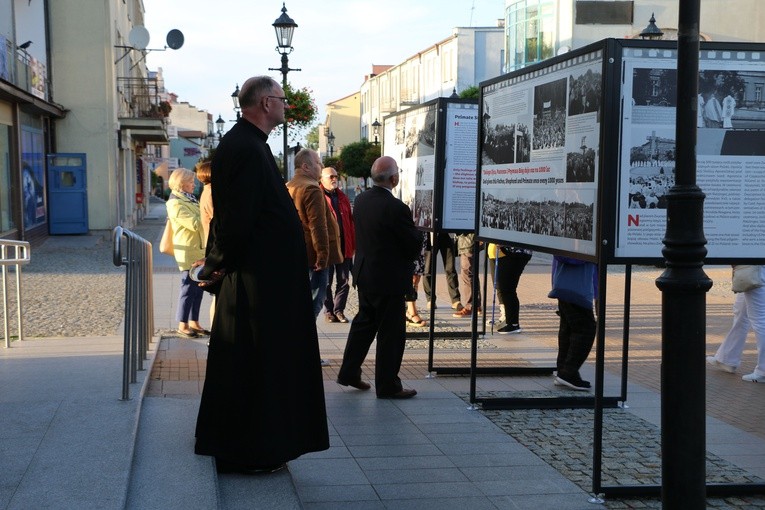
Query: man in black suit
x: 387, y: 243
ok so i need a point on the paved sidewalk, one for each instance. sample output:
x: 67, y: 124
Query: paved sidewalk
x: 67, y: 441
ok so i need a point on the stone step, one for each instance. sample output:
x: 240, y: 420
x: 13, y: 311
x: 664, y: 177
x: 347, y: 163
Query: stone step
x: 166, y: 473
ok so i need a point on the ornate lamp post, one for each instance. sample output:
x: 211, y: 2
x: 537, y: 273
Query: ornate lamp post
x: 684, y: 286
x: 651, y: 31
x: 284, y: 27
x: 331, y: 143
x: 376, y: 131
x: 235, y: 100
x: 219, y: 126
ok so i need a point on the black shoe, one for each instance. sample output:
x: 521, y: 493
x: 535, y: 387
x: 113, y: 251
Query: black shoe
x: 573, y: 382
x: 225, y: 467
x: 330, y: 317
x: 359, y: 385
x: 341, y: 317
x: 400, y: 394
x: 509, y: 329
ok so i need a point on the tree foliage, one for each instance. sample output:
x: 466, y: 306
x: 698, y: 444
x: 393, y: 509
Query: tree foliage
x: 334, y: 162
x: 470, y: 93
x: 312, y: 138
x: 357, y: 159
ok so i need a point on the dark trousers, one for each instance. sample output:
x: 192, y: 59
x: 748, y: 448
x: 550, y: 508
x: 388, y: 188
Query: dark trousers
x: 444, y: 244
x: 507, y: 274
x: 575, y: 337
x: 382, y: 316
x: 189, y: 300
x: 341, y: 272
x: 466, y: 281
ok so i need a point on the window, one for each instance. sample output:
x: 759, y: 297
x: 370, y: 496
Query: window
x: 530, y: 32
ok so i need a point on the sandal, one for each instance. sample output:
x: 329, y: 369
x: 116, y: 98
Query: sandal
x: 416, y: 320
x: 201, y: 332
x: 191, y: 334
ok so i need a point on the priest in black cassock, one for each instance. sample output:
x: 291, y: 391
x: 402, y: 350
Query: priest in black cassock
x: 263, y: 398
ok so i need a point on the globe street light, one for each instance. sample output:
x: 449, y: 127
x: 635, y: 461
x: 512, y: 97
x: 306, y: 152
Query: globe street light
x: 284, y: 26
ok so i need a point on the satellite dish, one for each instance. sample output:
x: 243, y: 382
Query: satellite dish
x: 139, y: 37
x: 174, y: 39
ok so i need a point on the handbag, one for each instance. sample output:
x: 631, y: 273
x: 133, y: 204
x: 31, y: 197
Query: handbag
x: 746, y: 278
x: 166, y: 243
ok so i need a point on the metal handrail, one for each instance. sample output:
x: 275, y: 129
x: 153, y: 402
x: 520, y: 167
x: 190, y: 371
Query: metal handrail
x: 136, y: 256
x: 21, y: 255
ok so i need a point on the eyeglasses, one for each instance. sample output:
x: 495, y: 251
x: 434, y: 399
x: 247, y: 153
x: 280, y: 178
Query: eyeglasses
x: 282, y: 99
x: 331, y: 176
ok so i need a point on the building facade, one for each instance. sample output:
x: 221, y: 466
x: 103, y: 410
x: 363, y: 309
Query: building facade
x: 464, y: 59
x: 341, y: 125
x: 539, y: 29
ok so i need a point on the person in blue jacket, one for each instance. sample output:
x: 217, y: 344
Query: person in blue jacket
x: 575, y: 286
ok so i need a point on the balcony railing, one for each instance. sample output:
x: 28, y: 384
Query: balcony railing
x: 21, y: 69
x: 140, y: 99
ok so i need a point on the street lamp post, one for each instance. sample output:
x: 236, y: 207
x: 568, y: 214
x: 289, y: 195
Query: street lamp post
x: 331, y: 143
x: 219, y: 126
x: 684, y: 286
x: 235, y: 100
x: 376, y: 131
x: 284, y: 27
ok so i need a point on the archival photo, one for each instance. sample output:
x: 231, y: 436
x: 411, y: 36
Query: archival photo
x: 549, y: 131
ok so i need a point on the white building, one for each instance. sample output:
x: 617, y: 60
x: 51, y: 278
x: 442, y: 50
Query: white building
x: 539, y: 29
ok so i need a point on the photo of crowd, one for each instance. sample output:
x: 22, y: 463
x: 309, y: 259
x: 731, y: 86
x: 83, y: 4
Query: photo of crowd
x: 420, y: 136
x: 584, y: 93
x: 572, y: 220
x: 652, y: 172
x: 549, y: 129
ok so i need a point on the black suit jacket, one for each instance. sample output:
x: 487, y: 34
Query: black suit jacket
x: 387, y: 243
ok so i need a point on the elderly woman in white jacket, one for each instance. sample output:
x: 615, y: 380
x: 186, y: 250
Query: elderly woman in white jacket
x: 184, y: 215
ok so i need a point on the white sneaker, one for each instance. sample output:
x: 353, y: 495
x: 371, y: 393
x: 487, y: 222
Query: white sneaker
x: 753, y: 377
x: 719, y: 365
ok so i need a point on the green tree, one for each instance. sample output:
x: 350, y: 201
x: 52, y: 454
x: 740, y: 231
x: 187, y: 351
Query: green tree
x: 470, y: 93
x: 312, y: 138
x: 357, y: 159
x: 334, y: 162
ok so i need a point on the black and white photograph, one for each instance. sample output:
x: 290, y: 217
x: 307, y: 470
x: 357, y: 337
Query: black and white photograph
x: 654, y: 87
x: 651, y: 168
x: 522, y: 143
x: 549, y: 130
x: 423, y: 208
x: 547, y: 216
x: 731, y: 99
x: 584, y: 92
x: 498, y: 142
x: 580, y: 164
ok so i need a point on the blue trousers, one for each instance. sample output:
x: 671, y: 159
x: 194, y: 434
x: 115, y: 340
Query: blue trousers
x: 318, y: 281
x: 189, y: 300
x: 341, y: 274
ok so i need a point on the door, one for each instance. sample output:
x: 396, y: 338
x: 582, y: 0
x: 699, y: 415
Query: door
x: 67, y: 194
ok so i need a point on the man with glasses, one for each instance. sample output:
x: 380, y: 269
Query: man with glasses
x: 263, y: 398
x: 341, y: 208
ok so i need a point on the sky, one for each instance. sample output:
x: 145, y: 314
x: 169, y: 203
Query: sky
x: 335, y: 43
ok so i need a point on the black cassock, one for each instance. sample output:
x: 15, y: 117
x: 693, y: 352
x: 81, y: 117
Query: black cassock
x: 263, y: 397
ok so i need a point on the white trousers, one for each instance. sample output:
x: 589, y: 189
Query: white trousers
x: 748, y: 312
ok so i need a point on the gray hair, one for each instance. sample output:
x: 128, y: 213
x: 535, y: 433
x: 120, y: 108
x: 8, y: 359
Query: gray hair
x: 383, y: 169
x: 178, y: 177
x: 254, y: 89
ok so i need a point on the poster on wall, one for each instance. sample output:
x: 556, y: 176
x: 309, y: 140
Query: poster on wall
x: 33, y: 177
x: 730, y: 150
x: 539, y: 156
x: 410, y: 139
x: 460, y: 166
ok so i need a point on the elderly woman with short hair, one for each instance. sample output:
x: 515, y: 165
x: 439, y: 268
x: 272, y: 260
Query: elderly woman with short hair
x: 184, y: 216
